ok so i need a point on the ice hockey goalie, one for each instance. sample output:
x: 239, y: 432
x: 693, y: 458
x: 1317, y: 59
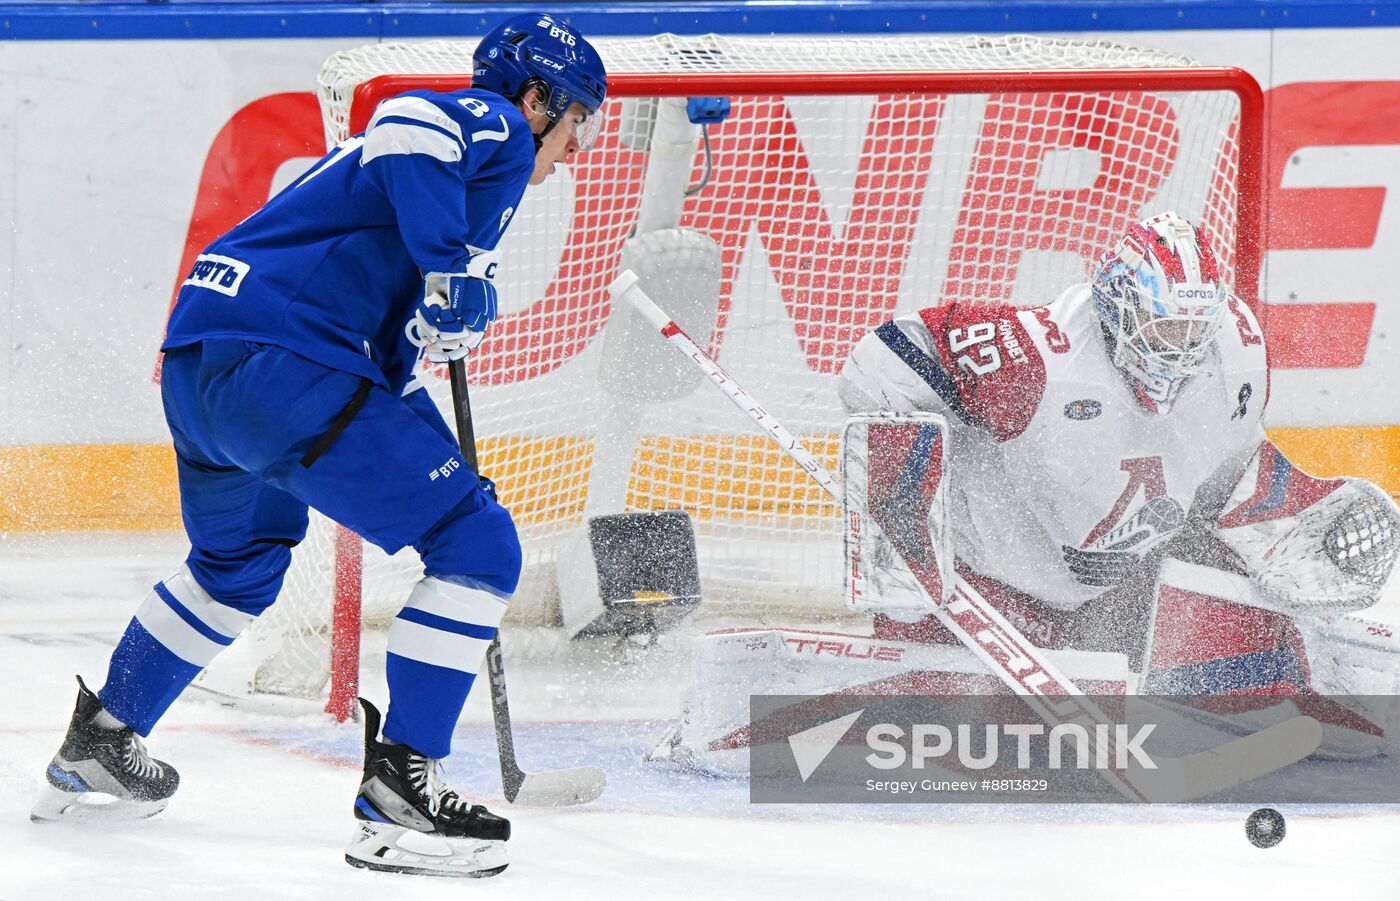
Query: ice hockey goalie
x: 1111, y: 490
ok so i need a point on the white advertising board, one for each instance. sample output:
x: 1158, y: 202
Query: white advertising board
x: 104, y: 144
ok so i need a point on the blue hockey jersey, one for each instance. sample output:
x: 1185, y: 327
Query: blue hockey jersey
x: 332, y: 267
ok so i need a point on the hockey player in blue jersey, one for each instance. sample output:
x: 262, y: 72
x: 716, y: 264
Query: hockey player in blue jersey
x: 288, y: 383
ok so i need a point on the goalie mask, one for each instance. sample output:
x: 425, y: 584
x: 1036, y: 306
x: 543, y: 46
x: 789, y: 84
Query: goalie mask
x: 1161, y: 302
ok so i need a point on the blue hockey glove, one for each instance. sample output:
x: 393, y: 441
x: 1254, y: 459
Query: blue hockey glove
x: 456, y: 309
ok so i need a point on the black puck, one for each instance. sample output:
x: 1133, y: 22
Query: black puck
x: 1265, y: 827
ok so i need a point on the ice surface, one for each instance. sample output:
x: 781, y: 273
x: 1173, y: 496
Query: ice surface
x: 264, y: 806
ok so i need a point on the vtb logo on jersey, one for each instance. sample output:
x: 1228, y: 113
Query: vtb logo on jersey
x: 217, y: 273
x: 445, y: 470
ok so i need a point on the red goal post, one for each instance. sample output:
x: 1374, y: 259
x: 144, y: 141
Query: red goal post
x: 854, y: 177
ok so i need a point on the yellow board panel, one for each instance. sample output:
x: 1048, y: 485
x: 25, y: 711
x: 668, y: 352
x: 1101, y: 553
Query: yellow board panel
x: 539, y: 479
x: 1367, y: 452
x: 132, y: 486
x: 728, y: 476
x: 74, y: 487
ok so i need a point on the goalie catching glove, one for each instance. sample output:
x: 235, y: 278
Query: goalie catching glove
x: 456, y: 309
x: 1313, y: 546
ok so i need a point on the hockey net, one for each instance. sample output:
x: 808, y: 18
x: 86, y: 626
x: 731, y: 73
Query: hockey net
x: 853, y: 178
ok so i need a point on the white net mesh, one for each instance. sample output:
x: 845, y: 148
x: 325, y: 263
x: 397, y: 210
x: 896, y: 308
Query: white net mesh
x: 829, y: 205
x: 721, y: 54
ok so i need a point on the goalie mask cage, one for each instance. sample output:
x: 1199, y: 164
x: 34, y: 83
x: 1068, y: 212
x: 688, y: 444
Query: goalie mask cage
x: 853, y: 178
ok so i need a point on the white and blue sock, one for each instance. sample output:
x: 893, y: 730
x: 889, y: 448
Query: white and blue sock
x: 436, y: 647
x: 176, y: 632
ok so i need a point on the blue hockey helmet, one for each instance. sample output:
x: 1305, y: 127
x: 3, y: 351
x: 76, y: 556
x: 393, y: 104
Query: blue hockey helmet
x: 538, y: 50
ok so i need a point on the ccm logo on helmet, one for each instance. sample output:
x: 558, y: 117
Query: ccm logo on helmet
x: 546, y: 62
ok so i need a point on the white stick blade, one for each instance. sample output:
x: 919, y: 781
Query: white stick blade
x: 1233, y: 763
x: 561, y: 788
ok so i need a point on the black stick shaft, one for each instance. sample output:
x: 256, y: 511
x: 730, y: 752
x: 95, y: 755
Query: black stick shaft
x: 511, y: 774
x: 462, y: 410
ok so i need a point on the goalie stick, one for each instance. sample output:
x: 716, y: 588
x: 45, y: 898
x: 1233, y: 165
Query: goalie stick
x: 551, y: 788
x: 1022, y: 666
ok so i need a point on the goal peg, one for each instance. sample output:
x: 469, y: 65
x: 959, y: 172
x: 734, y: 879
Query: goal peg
x: 629, y: 574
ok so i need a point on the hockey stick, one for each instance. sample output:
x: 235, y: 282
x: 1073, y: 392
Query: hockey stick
x: 551, y: 788
x: 1022, y: 666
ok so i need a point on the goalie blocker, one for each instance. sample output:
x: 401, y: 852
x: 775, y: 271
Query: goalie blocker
x: 893, y: 465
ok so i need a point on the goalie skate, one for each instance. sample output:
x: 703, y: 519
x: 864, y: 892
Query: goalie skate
x: 410, y: 823
x: 102, y: 775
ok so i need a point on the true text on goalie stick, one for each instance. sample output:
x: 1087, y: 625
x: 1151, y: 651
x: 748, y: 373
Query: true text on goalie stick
x: 997, y: 643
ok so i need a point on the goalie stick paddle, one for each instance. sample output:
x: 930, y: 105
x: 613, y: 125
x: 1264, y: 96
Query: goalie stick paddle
x: 1022, y: 666
x: 551, y: 788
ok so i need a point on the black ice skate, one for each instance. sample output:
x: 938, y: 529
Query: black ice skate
x: 102, y: 774
x: 409, y: 822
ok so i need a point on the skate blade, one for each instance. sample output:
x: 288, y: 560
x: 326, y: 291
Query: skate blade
x: 398, y: 849
x: 58, y: 806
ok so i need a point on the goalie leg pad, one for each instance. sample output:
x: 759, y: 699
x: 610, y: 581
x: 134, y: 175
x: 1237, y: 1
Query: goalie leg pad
x: 1253, y: 667
x: 1353, y: 655
x: 728, y: 667
x: 1358, y: 660
x: 1204, y: 643
x: 1044, y: 626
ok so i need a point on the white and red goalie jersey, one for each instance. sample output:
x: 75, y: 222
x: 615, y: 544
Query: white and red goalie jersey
x: 1060, y: 483
x: 1059, y: 476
